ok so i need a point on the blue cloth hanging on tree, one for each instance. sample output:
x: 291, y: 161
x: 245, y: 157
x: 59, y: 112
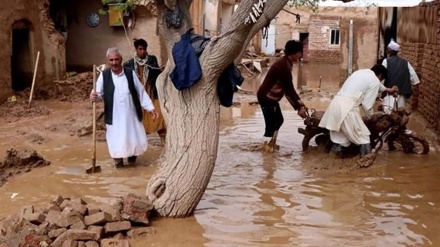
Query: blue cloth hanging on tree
x: 187, y: 70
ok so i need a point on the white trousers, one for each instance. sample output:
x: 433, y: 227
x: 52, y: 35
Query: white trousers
x: 353, y: 130
x: 389, y: 101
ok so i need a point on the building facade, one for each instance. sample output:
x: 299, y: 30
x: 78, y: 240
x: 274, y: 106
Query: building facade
x: 25, y: 30
x: 417, y: 30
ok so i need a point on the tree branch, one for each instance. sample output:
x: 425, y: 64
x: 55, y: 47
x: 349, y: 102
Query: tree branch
x: 221, y: 51
x: 172, y: 35
x: 260, y: 24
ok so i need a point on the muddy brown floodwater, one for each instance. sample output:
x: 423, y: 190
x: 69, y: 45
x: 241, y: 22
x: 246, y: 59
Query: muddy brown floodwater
x: 253, y: 198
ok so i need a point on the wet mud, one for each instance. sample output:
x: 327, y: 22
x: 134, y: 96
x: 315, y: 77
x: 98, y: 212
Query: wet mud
x: 19, y: 161
x: 11, y: 112
x: 76, y: 88
x: 254, y: 198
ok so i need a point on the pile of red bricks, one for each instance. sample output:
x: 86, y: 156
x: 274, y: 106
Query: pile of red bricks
x: 74, y: 223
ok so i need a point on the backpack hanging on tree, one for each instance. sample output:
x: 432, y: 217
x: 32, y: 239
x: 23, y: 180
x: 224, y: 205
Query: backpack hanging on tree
x: 187, y: 70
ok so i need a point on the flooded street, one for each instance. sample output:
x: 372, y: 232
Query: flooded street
x: 253, y: 198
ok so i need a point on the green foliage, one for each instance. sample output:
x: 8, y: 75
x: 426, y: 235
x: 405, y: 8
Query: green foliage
x: 122, y: 5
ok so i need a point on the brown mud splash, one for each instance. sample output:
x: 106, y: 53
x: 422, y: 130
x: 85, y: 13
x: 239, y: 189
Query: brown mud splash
x: 320, y: 162
x: 17, y: 162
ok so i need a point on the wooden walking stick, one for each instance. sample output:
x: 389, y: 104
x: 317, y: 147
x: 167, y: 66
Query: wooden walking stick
x: 33, y: 79
x: 94, y: 168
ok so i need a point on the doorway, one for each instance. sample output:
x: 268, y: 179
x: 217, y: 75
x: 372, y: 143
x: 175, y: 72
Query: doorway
x: 21, y: 59
x: 304, y: 39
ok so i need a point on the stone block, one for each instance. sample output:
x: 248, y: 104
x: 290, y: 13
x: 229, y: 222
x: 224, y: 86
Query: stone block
x: 114, y: 243
x: 42, y: 244
x: 73, y: 234
x: 57, y: 200
x: 70, y: 243
x: 53, y: 217
x: 78, y: 225
x: 141, y: 232
x: 98, y: 229
x: 118, y: 204
x: 91, y: 209
x: 136, y: 208
x: 115, y: 213
x: 54, y: 207
x: 43, y: 228
x: 78, y: 200
x: 80, y: 208
x: 35, y: 218
x: 118, y: 226
x: 26, y: 211
x: 69, y: 218
x: 97, y: 219
x: 92, y: 244
x: 82, y: 235
x: 119, y: 236
x: 65, y: 203
x: 56, y: 233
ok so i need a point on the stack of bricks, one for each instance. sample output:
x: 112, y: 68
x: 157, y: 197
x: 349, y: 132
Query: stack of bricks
x: 71, y: 222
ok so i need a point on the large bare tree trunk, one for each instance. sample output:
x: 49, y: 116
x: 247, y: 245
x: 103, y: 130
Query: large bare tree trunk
x: 192, y: 115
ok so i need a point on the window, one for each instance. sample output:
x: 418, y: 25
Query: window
x: 334, y: 36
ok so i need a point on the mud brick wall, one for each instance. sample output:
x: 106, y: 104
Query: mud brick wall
x: 325, y: 56
x: 320, y: 49
x: 424, y: 57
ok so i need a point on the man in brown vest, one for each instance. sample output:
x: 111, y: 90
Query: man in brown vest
x: 147, y: 69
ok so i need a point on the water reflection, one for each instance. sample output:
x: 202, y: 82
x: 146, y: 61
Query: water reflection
x: 319, y: 75
x: 254, y: 198
x: 270, y: 200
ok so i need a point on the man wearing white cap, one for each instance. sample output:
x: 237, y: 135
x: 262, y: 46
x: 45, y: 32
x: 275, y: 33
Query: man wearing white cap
x: 400, y: 74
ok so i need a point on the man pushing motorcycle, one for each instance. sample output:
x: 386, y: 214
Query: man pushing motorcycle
x: 343, y: 116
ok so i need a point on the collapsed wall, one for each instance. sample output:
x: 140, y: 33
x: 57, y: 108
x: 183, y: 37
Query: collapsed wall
x: 27, y: 29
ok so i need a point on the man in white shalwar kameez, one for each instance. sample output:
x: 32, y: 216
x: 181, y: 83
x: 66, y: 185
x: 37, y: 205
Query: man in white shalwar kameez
x: 343, y: 117
x: 125, y: 134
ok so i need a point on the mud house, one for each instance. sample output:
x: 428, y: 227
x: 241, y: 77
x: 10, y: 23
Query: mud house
x: 325, y: 35
x: 89, y: 33
x: 72, y: 35
x: 25, y: 29
x: 417, y: 30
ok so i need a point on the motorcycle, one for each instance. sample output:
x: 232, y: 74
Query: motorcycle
x: 384, y: 128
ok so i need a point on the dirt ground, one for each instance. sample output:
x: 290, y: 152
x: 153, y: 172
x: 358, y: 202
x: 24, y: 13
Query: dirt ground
x: 19, y: 161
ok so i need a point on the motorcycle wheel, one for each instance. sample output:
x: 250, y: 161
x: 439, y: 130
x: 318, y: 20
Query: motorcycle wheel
x: 410, y: 143
x: 323, y: 142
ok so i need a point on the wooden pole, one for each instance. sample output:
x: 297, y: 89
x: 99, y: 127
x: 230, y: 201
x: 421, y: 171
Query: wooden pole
x: 33, y: 80
x: 94, y: 122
